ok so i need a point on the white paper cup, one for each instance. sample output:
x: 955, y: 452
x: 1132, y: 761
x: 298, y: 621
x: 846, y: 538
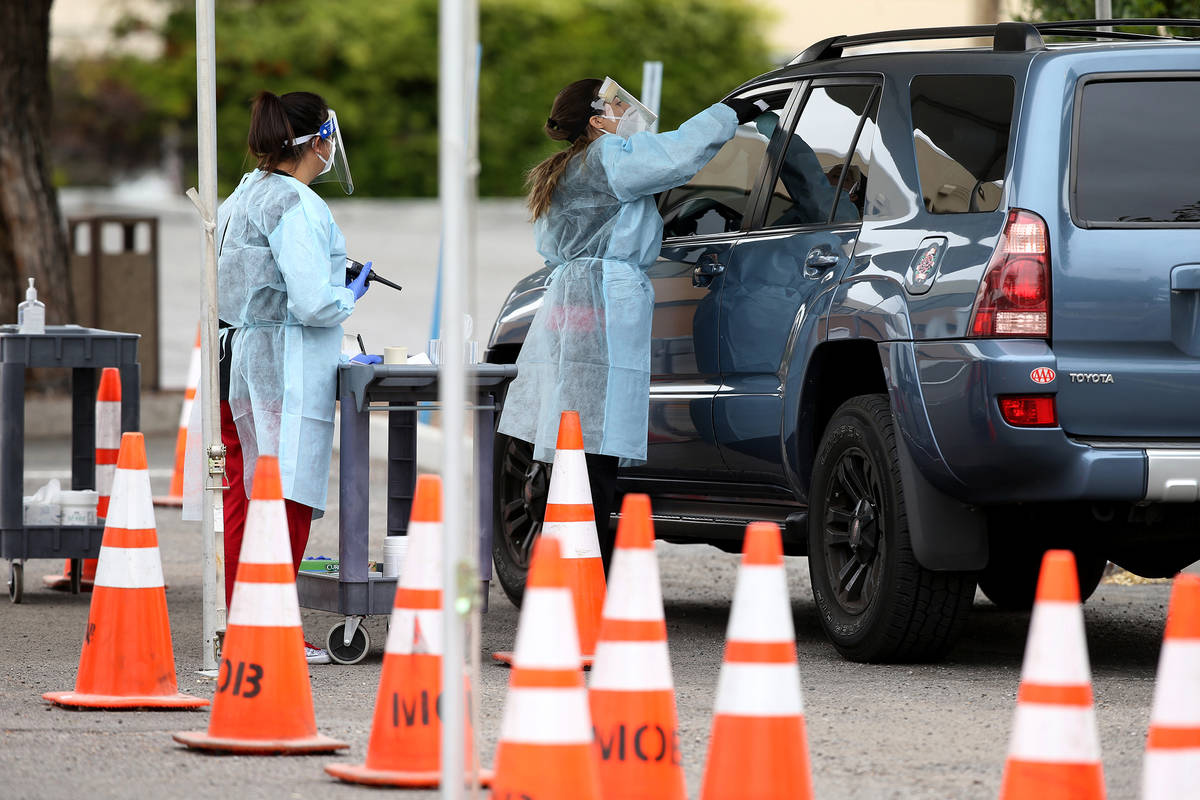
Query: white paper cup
x: 395, y: 355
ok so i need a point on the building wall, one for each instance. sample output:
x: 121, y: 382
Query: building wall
x: 799, y: 23
x: 83, y: 28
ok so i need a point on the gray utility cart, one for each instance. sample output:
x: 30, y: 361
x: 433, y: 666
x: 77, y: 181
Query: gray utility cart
x: 355, y: 592
x: 83, y: 351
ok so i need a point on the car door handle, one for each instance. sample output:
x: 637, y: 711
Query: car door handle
x: 821, y: 258
x: 708, y: 268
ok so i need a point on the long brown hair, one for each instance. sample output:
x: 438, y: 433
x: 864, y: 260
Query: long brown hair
x: 275, y: 121
x: 568, y: 122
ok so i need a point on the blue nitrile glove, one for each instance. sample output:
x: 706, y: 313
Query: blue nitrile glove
x: 363, y: 358
x: 359, y: 285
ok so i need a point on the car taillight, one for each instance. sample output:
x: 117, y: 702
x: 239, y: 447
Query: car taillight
x: 1029, y: 411
x: 1014, y: 295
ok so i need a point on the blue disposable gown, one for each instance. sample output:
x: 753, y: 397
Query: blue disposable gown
x: 281, y: 283
x: 588, y: 347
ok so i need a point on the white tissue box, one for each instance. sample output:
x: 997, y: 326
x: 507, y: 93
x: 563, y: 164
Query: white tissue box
x: 41, y: 513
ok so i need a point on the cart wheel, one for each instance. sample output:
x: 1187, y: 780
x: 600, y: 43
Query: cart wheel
x: 16, y: 582
x: 352, y: 653
x: 76, y: 575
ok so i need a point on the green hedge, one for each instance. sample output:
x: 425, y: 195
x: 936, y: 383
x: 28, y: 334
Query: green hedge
x: 375, y: 61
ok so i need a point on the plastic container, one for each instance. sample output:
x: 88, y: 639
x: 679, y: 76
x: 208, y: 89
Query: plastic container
x: 31, y: 314
x: 78, y: 506
x: 395, y: 548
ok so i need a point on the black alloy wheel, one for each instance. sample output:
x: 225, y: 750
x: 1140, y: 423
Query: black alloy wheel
x: 853, y: 538
x: 520, y: 486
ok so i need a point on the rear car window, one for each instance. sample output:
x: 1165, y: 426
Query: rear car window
x: 1137, y: 157
x: 961, y: 127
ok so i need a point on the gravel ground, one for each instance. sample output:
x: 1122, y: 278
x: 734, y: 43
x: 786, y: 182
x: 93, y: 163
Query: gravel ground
x: 907, y: 731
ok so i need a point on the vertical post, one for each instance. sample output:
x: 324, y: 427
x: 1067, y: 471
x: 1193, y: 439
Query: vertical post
x: 212, y: 525
x: 652, y: 88
x: 354, y: 515
x: 456, y: 21
x: 1104, y: 11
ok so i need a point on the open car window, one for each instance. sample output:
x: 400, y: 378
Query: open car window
x: 717, y: 199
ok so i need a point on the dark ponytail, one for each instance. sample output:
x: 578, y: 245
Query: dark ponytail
x: 275, y: 121
x: 569, y: 121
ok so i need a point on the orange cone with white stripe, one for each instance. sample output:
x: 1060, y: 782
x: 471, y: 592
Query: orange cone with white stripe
x: 759, y: 744
x: 571, y: 519
x: 127, y: 660
x: 108, y: 444
x: 1054, y: 753
x: 631, y: 693
x: 263, y: 702
x: 545, y: 749
x: 405, y: 744
x: 175, y: 496
x: 1173, y: 748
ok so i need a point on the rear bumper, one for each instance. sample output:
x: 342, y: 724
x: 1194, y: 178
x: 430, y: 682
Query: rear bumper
x: 945, y: 397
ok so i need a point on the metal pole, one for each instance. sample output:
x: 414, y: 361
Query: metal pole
x: 652, y: 88
x: 470, y: 543
x: 212, y: 525
x: 1104, y: 11
x: 457, y: 20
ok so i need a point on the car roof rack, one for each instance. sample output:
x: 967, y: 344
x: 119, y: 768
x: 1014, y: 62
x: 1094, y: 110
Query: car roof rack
x: 1007, y: 37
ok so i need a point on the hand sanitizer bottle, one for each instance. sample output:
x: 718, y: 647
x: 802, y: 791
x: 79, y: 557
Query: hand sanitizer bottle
x: 31, y: 315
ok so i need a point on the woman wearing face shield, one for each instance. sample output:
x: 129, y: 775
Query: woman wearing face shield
x: 282, y: 296
x: 597, y: 225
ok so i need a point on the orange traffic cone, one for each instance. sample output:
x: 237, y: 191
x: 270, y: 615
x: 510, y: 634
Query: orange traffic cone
x: 759, y: 744
x: 1054, y: 753
x: 632, y: 696
x: 570, y: 519
x: 175, y: 496
x: 127, y: 660
x: 108, y: 444
x: 1173, y: 747
x: 263, y: 702
x: 405, y: 744
x: 545, y: 748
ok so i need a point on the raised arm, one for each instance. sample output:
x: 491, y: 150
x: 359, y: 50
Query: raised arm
x: 647, y: 163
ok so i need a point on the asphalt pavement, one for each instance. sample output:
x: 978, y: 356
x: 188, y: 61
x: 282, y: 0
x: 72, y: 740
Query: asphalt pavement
x: 898, y: 731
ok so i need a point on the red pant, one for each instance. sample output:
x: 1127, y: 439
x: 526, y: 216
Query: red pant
x: 299, y: 517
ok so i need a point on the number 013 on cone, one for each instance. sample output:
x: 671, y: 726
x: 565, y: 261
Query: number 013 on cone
x: 263, y: 702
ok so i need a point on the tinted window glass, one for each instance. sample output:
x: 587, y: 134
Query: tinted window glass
x: 715, y: 200
x: 1138, y: 156
x: 960, y: 130
x: 811, y: 182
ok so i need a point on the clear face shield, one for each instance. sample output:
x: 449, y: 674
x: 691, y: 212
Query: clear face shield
x: 332, y: 152
x: 620, y: 106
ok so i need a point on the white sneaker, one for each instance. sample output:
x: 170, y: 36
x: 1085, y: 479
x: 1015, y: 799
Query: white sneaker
x: 315, y: 655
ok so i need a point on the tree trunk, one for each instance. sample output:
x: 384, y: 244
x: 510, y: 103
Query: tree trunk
x: 33, y: 242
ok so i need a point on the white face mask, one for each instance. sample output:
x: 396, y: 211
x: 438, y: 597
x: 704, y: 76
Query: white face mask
x: 629, y: 123
x: 328, y: 163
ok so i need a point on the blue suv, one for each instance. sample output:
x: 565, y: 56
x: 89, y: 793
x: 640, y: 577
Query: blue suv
x: 934, y: 313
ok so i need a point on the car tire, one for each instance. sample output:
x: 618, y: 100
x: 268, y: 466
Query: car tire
x: 520, y: 486
x: 874, y: 599
x: 1011, y: 576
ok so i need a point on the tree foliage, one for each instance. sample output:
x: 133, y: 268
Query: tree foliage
x: 377, y: 64
x: 1128, y: 9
